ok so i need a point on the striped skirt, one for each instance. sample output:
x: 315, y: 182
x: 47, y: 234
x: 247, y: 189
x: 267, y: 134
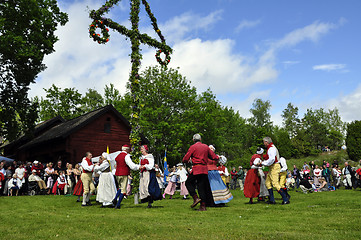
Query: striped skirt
x: 220, y: 192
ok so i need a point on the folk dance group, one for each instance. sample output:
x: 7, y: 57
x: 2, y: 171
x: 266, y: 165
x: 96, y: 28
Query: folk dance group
x: 257, y: 185
x: 107, y: 193
x: 204, y: 177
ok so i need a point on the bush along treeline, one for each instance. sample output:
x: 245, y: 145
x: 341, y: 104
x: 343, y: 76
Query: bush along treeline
x: 172, y: 111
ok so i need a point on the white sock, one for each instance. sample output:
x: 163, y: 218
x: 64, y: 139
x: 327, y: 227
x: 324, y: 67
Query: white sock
x: 85, y: 196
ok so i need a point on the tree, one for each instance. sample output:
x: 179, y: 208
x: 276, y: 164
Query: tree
x: 167, y: 117
x: 260, y: 122
x: 91, y: 101
x: 261, y: 115
x: 26, y: 36
x: 121, y: 103
x: 66, y: 103
x: 353, y: 140
x: 291, y: 121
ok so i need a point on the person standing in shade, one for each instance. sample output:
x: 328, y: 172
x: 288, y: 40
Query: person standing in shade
x: 272, y: 180
x: 240, y: 177
x: 198, y: 154
x: 233, y: 178
x: 86, y: 178
x: 124, y: 164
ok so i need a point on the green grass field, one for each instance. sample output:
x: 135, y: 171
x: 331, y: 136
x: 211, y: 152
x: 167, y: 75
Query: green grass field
x: 323, y: 215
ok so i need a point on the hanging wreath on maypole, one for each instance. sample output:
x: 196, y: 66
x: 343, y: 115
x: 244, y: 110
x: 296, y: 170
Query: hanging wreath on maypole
x: 103, y: 36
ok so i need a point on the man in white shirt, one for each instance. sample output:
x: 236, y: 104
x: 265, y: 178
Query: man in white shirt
x: 272, y: 161
x: 86, y: 178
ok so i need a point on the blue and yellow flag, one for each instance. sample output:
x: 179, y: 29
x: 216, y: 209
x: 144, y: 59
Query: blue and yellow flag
x: 166, y: 172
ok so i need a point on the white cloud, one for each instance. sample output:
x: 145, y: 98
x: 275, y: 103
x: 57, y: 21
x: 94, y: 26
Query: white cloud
x: 287, y: 64
x: 244, y: 106
x: 177, y: 28
x: 214, y: 64
x: 329, y: 67
x: 348, y: 105
x: 247, y: 24
x: 311, y: 32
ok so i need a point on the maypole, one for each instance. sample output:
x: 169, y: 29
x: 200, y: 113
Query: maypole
x: 136, y: 38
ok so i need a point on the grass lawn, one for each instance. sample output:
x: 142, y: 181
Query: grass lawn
x: 323, y: 215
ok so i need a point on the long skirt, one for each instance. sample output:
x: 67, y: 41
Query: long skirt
x: 263, y: 189
x: 251, y: 184
x: 106, y: 188
x: 220, y: 192
x: 78, y: 189
x: 170, y: 189
x: 184, y: 190
x: 149, y: 187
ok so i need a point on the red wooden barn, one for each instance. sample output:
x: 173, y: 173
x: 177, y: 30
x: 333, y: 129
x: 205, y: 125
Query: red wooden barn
x: 70, y: 140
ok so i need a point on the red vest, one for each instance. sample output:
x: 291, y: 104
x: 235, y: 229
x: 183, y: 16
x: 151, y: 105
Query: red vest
x: 89, y: 164
x: 267, y: 157
x: 122, y: 167
x: 144, y: 161
x: 222, y: 168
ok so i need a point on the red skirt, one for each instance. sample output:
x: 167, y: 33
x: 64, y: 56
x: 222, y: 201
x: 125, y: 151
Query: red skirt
x: 252, y: 184
x: 78, y: 189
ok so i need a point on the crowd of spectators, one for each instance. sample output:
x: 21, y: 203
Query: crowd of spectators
x: 17, y: 178
x: 327, y: 177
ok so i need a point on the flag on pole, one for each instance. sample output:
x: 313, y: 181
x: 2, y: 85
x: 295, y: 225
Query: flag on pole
x: 166, y: 172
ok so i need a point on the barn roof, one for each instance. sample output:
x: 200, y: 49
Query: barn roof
x: 66, y: 128
x: 38, y: 129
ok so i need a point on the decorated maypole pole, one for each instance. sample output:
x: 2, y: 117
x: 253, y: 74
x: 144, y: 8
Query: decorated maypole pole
x: 136, y: 39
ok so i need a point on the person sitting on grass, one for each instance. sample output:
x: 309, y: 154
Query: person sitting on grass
x: 305, y: 185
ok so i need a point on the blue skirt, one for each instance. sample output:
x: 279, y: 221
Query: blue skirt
x: 220, y: 192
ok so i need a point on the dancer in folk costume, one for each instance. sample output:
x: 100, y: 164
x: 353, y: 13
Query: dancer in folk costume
x: 199, y: 154
x: 223, y: 171
x: 148, y: 185
x: 219, y: 190
x: 182, y: 175
x: 283, y: 176
x: 263, y: 191
x: 106, y: 187
x: 122, y: 172
x: 172, y: 184
x: 272, y: 161
x: 86, y: 178
x: 252, y: 181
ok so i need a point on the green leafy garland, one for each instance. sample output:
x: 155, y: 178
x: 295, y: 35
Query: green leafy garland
x: 136, y: 38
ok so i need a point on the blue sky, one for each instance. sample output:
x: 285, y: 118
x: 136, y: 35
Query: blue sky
x: 303, y: 52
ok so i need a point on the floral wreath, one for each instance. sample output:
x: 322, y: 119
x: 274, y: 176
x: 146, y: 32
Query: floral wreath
x: 160, y: 60
x: 96, y: 36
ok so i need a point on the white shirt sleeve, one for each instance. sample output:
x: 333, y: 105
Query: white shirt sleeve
x: 150, y: 159
x: 101, y: 167
x: 283, y: 164
x: 130, y: 163
x: 226, y: 173
x: 272, y: 152
x: 85, y: 165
